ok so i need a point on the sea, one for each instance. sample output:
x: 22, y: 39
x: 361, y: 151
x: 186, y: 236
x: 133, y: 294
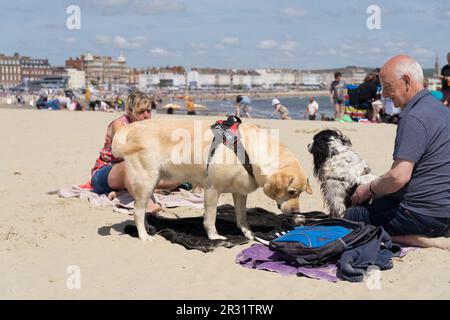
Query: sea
x: 262, y: 108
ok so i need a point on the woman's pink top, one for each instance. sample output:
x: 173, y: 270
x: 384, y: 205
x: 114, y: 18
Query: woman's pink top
x: 106, y: 157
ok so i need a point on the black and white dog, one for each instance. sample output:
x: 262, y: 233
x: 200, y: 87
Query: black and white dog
x: 339, y: 169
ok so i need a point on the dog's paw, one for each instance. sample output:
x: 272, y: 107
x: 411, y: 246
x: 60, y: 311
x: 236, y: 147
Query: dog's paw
x: 146, y: 238
x: 216, y: 237
x: 248, y: 234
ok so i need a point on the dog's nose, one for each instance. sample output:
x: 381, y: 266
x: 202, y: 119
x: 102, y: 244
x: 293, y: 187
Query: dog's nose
x: 279, y: 206
x: 309, y: 147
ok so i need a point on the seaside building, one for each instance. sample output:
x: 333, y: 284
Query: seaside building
x: 133, y: 76
x: 58, y: 71
x: 77, y: 79
x: 246, y: 78
x: 149, y: 79
x: 10, y: 70
x: 99, y: 70
x: 311, y: 80
x: 17, y: 69
x: 162, y: 77
x: 34, y: 69
x: 279, y: 77
x: 210, y: 77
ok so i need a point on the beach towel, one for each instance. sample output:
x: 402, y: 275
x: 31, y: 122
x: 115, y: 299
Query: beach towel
x: 260, y: 257
x: 124, y: 202
x: 190, y: 232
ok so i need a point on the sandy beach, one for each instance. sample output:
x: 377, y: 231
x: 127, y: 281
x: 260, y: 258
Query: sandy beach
x: 42, y: 235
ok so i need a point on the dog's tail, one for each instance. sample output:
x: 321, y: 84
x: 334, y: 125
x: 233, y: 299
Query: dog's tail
x: 121, y: 145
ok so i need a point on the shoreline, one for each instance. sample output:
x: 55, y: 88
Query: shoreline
x: 202, y: 95
x: 159, y: 111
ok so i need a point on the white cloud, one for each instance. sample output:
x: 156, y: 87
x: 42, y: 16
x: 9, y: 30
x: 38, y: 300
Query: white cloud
x: 198, y: 45
x: 289, y: 45
x: 228, y: 42
x: 267, y: 44
x: 139, y: 6
x: 448, y: 13
x: 423, y: 53
x: 291, y: 12
x: 121, y: 42
x: 102, y: 39
x: 159, y: 52
x: 396, y: 44
x: 328, y: 52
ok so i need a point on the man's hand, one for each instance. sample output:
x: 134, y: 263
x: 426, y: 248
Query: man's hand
x: 361, y: 194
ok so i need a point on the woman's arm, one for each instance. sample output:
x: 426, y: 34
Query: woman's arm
x: 116, y: 125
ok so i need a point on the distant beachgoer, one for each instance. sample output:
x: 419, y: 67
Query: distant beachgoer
x: 109, y: 173
x: 445, y: 77
x: 244, y: 102
x: 118, y: 104
x: 391, y: 113
x: 153, y: 104
x: 368, y: 96
x: 437, y: 94
x: 312, y: 108
x: 284, y: 112
x: 337, y: 95
x: 190, y: 107
x: 88, y: 98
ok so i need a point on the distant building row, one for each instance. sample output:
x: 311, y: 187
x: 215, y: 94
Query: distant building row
x: 93, y: 70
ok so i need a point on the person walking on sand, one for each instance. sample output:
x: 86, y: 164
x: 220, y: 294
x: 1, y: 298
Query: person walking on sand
x: 244, y: 102
x: 445, y: 77
x: 312, y: 108
x: 337, y: 96
x: 411, y: 200
x: 284, y: 112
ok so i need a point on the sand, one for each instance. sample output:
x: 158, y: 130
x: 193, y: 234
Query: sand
x: 42, y: 235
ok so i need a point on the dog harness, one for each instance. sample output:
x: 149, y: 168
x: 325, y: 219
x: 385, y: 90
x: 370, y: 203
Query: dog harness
x: 227, y: 132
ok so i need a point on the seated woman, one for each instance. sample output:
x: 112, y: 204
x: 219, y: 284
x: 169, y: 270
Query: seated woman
x: 369, y: 97
x: 109, y: 173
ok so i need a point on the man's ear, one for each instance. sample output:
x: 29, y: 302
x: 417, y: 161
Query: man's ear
x: 308, y: 187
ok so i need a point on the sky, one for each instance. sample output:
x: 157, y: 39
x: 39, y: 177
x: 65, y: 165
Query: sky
x: 311, y: 34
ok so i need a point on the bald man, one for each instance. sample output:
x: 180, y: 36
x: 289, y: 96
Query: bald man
x: 412, y: 200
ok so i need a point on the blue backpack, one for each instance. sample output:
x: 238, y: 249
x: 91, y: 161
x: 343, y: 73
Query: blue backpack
x: 322, y: 242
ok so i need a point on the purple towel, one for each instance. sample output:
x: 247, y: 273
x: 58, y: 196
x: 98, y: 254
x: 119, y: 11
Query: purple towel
x: 259, y: 256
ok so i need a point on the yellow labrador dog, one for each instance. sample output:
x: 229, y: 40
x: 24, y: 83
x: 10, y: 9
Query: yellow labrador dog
x: 178, y: 149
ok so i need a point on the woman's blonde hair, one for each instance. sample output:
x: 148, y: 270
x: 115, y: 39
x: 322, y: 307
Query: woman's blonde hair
x: 137, y: 101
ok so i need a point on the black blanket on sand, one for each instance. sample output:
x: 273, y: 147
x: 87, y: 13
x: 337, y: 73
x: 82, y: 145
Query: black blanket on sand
x: 190, y: 233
